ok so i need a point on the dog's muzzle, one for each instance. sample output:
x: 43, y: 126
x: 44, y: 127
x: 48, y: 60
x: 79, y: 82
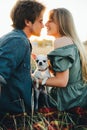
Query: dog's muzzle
x: 40, y: 63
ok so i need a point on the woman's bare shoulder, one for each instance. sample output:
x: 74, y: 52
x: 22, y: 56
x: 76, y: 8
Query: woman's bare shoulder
x: 61, y: 42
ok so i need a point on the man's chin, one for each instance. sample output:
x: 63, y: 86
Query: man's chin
x: 37, y: 35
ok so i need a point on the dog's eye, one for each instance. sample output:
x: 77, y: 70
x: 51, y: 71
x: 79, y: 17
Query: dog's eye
x: 44, y: 61
x: 37, y: 61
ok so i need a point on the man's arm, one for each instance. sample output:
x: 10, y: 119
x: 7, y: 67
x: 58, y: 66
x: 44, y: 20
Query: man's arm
x: 2, y: 81
x: 0, y: 89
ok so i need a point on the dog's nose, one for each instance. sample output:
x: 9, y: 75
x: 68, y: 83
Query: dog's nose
x: 40, y: 63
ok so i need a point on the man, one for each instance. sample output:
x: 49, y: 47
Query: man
x: 15, y: 53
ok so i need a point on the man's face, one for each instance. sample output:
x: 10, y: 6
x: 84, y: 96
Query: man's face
x: 37, y: 25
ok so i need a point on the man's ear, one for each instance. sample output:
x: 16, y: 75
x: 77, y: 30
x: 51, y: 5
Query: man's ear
x: 34, y: 56
x: 28, y: 23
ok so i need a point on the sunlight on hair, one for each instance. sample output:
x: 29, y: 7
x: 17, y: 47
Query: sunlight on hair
x: 6, y: 5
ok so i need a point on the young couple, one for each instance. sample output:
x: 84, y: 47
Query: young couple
x: 68, y: 60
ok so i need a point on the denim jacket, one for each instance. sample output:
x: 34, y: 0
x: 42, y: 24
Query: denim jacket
x: 15, y: 76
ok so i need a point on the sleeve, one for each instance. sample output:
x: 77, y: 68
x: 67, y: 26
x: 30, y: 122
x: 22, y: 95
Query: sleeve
x: 61, y: 60
x: 11, y: 55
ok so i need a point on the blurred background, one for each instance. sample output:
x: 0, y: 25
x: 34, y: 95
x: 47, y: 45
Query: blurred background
x: 77, y: 7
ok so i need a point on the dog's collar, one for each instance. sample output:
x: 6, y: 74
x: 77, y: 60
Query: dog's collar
x: 43, y: 70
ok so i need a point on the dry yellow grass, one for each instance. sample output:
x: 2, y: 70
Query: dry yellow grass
x: 42, y: 50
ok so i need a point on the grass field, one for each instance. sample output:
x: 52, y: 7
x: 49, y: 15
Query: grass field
x: 42, y: 50
x: 40, y: 121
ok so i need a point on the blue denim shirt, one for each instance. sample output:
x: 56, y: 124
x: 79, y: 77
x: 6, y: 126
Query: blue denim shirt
x: 15, y: 77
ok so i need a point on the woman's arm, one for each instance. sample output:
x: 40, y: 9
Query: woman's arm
x: 59, y: 80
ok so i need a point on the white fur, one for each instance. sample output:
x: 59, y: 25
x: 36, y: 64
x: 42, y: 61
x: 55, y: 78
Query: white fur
x: 41, y: 72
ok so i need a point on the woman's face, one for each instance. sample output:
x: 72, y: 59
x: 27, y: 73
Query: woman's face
x: 52, y: 27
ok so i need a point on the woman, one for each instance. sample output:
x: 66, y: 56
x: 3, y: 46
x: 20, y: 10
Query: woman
x: 68, y: 61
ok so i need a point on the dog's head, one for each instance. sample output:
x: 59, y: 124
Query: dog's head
x: 42, y: 62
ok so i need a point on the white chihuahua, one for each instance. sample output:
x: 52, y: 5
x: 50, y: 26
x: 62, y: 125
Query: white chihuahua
x: 41, y: 72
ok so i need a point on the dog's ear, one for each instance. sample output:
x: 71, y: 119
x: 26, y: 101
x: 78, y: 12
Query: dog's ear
x: 34, y: 56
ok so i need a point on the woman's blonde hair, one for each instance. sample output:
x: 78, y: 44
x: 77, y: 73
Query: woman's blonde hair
x: 64, y: 19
